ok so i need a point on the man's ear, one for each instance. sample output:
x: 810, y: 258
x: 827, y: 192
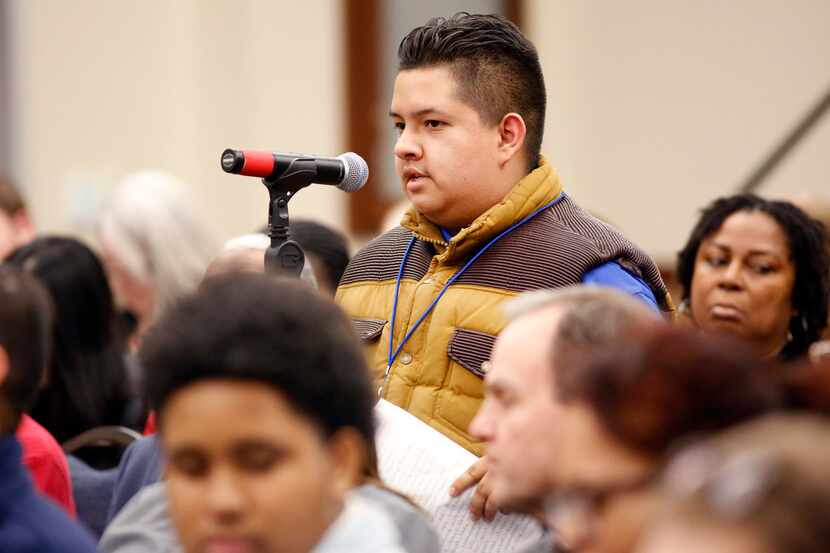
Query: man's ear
x: 348, y: 450
x: 512, y: 134
x: 5, y: 365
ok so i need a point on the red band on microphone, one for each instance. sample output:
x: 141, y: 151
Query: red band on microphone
x: 257, y: 163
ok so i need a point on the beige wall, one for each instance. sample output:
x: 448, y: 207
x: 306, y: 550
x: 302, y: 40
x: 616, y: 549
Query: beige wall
x: 111, y: 86
x: 656, y: 107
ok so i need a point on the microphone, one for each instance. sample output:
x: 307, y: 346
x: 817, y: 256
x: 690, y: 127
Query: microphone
x: 348, y: 171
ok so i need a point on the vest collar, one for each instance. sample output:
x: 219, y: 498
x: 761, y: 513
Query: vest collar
x: 537, y: 188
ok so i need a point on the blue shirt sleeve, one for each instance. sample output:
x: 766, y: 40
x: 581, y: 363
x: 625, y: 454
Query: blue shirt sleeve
x: 613, y: 275
x: 446, y: 233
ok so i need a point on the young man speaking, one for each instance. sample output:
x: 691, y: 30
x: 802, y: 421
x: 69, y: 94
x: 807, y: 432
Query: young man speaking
x: 489, y: 220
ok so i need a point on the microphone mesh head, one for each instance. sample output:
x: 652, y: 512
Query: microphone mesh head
x: 357, y: 174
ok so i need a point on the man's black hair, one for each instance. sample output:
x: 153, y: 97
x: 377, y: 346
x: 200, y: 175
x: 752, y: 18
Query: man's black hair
x: 495, y: 66
x: 25, y: 335
x: 807, y: 240
x: 251, y: 327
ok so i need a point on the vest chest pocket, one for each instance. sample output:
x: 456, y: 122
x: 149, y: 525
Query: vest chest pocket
x: 471, y: 349
x: 368, y: 329
x: 463, y: 390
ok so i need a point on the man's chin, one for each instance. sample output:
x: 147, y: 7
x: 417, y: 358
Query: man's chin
x: 435, y: 216
x: 524, y: 505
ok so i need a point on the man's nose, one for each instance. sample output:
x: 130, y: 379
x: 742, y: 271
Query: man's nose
x: 482, y: 425
x: 225, y: 497
x: 407, y: 146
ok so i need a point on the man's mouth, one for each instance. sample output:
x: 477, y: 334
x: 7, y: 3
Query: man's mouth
x: 412, y: 175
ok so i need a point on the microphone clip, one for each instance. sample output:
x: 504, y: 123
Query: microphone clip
x: 284, y: 256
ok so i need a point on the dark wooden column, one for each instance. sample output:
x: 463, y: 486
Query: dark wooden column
x: 362, y: 19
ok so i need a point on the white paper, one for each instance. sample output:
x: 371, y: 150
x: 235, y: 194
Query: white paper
x: 422, y: 463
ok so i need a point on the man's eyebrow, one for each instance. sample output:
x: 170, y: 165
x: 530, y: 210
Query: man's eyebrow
x: 421, y: 113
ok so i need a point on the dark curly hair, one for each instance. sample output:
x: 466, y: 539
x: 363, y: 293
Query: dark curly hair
x: 280, y: 333
x: 496, y: 67
x: 807, y: 240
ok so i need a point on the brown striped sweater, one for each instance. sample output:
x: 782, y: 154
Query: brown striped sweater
x: 438, y: 374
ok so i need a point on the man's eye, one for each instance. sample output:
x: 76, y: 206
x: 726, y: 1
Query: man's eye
x: 193, y: 466
x: 258, y: 459
x: 399, y: 127
x: 433, y: 124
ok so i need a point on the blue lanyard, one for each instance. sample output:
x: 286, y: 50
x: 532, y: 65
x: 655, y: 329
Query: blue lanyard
x: 391, y: 356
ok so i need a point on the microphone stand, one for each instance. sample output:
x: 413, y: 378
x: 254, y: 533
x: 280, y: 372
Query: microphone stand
x: 285, y: 256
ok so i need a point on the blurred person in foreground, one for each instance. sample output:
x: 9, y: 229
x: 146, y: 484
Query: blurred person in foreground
x: 16, y: 227
x: 760, y: 270
x: 141, y: 463
x: 86, y: 384
x: 154, y: 244
x: 624, y: 407
x: 489, y: 220
x: 758, y: 488
x: 28, y: 521
x: 519, y: 420
x: 138, y: 515
x: 265, y: 417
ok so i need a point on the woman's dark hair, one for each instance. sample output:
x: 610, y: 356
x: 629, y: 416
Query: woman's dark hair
x: 807, y: 240
x: 251, y: 327
x: 86, y: 376
x: 650, y: 391
x: 496, y: 68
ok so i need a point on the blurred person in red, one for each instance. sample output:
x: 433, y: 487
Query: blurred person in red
x: 46, y: 461
x: 28, y: 521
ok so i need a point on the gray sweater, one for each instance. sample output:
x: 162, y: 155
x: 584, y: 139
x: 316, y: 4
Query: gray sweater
x: 374, y: 520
